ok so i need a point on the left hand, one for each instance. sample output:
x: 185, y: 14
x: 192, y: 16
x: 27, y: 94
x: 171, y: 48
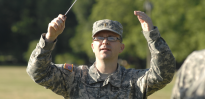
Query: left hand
x: 145, y: 21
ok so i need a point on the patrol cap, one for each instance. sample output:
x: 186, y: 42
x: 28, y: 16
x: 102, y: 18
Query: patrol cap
x: 107, y: 24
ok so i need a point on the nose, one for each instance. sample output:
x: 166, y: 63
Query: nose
x: 105, y: 41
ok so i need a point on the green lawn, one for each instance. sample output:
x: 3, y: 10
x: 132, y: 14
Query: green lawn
x: 16, y: 84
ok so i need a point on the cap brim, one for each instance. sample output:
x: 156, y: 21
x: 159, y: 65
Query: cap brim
x: 107, y: 30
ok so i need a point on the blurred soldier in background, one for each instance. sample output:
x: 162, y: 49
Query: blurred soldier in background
x: 105, y: 79
x: 190, y: 81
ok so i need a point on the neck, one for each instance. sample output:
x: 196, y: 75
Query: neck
x: 106, y: 66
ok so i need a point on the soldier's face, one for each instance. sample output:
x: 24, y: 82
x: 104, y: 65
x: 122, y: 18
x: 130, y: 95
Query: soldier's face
x: 105, y: 49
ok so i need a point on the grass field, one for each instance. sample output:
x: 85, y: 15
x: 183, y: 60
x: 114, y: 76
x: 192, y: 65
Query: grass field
x: 16, y: 84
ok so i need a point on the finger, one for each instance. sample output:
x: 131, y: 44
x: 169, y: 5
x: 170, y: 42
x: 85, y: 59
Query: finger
x: 141, y: 20
x: 140, y: 17
x: 56, y: 23
x: 141, y: 14
x: 63, y: 22
x: 138, y: 12
x: 53, y: 25
x: 63, y: 17
x: 59, y: 22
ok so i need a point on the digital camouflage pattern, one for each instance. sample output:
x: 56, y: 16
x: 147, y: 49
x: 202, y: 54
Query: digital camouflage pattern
x: 190, y: 81
x: 85, y: 83
x: 107, y: 24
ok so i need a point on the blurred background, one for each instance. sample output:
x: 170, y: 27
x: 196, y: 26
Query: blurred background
x: 180, y: 22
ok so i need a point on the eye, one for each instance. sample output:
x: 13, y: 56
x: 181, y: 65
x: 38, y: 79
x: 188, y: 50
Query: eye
x: 112, y: 38
x: 100, y: 38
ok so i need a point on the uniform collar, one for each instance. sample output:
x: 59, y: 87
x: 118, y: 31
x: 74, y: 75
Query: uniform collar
x: 114, y: 78
x: 94, y: 75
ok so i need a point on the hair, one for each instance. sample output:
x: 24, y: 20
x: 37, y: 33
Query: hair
x: 120, y: 39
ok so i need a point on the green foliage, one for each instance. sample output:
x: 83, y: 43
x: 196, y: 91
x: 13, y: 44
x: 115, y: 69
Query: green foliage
x: 180, y: 22
x: 68, y: 58
x: 81, y: 42
x: 181, y: 25
x: 32, y: 46
x: 24, y: 21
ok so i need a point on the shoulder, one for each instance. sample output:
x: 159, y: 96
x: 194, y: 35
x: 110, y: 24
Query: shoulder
x: 197, y: 54
x: 194, y: 64
x: 71, y: 67
x: 196, y: 58
x: 81, y: 68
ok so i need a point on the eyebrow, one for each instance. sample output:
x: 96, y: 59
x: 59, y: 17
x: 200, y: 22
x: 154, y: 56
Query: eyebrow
x: 110, y: 35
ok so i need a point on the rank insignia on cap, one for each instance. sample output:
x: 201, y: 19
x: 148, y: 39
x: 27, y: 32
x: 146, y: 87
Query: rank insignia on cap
x: 68, y: 67
x: 105, y: 24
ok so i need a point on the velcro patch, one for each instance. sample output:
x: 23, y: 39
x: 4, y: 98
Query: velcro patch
x: 68, y: 67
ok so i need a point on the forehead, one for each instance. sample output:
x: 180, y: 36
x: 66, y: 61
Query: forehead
x: 106, y: 33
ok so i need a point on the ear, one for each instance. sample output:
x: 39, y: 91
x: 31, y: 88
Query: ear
x: 122, y: 48
x: 92, y: 47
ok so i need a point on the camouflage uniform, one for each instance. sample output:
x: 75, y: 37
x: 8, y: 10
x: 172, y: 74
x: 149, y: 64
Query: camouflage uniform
x: 83, y: 82
x: 190, y: 81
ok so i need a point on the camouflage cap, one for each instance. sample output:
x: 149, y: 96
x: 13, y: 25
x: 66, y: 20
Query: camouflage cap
x: 109, y: 25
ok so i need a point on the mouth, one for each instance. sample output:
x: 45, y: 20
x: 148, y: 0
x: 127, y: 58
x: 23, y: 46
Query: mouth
x: 105, y: 49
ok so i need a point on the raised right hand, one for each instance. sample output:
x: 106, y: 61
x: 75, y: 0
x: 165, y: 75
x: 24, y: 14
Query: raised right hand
x: 55, y: 28
x: 145, y: 21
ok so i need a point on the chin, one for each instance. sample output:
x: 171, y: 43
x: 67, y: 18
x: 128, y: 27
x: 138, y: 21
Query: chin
x: 105, y: 57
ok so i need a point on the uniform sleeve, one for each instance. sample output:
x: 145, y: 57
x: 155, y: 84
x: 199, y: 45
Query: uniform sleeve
x: 44, y: 72
x: 162, y: 64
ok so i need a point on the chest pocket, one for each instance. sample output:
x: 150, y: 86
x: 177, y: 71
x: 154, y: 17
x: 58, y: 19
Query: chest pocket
x: 124, y: 92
